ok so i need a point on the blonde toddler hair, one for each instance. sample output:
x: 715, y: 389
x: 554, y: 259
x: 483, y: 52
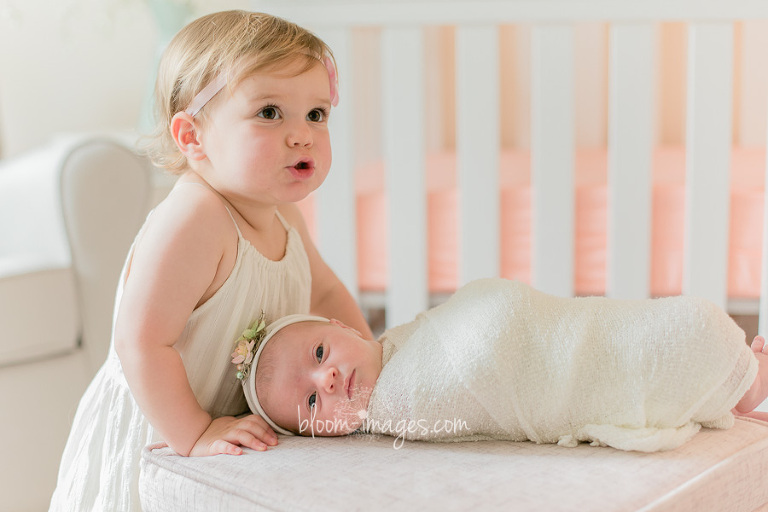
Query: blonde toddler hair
x: 238, y: 43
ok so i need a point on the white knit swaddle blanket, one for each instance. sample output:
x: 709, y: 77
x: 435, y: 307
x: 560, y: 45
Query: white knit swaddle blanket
x: 502, y: 360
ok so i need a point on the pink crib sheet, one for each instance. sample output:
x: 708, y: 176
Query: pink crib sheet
x: 668, y: 210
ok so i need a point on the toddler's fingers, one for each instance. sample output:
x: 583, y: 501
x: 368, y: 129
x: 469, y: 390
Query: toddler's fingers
x: 247, y: 439
x: 758, y: 343
x: 269, y: 439
x: 259, y: 428
x: 255, y: 419
x: 220, y: 446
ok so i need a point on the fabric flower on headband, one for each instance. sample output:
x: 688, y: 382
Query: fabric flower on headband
x: 247, y: 345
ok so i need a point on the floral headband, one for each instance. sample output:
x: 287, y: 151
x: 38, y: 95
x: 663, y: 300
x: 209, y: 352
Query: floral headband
x: 248, y: 348
x: 217, y: 84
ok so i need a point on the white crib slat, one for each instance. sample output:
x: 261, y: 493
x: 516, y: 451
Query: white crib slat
x: 552, y: 161
x: 336, y: 227
x: 708, y: 147
x: 403, y: 91
x: 629, y: 160
x: 477, y: 122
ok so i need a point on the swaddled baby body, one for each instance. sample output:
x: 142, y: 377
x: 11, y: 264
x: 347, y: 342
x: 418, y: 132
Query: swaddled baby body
x: 500, y: 360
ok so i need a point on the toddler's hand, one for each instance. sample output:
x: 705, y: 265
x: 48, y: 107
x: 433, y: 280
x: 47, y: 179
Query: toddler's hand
x: 227, y: 434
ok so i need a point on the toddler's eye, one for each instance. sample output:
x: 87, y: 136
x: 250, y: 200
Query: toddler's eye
x: 319, y: 353
x: 269, y: 113
x: 312, y: 400
x: 317, y: 115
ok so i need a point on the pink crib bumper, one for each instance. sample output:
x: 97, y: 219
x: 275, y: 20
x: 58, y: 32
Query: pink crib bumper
x: 668, y: 225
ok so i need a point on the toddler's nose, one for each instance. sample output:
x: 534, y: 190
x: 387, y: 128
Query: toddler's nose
x: 299, y: 135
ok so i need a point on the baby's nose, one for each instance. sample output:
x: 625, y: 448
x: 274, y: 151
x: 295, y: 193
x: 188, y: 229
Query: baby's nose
x: 329, y: 380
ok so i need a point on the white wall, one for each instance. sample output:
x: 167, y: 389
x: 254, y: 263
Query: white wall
x: 75, y: 65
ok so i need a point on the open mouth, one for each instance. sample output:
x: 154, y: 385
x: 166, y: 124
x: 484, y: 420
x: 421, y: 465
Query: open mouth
x: 302, y: 169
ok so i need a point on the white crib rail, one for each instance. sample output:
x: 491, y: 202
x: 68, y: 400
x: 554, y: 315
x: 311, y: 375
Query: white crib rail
x: 403, y: 64
x: 477, y: 110
x: 336, y: 234
x: 708, y: 160
x: 630, y: 135
x: 629, y: 160
x: 552, y: 158
x: 356, y: 13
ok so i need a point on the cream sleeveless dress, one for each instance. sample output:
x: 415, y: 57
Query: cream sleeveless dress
x: 100, y: 466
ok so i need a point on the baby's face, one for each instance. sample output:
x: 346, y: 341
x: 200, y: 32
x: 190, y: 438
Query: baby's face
x: 321, y: 380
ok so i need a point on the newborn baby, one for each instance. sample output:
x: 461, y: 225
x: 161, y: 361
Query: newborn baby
x: 500, y: 360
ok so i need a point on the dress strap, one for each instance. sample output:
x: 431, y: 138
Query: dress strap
x: 239, y: 234
x: 283, y: 221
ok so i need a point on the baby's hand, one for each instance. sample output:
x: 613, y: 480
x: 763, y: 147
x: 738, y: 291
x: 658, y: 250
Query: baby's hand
x: 227, y: 434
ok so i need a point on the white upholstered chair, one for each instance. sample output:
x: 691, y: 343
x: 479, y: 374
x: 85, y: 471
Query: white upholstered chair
x: 68, y: 214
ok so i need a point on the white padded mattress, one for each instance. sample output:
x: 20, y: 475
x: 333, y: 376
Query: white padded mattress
x: 717, y: 471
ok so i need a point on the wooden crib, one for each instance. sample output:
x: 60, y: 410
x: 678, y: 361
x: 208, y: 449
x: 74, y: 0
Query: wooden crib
x: 396, y: 49
x: 563, y: 52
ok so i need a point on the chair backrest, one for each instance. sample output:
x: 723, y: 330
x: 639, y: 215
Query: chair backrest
x: 68, y: 214
x: 105, y: 196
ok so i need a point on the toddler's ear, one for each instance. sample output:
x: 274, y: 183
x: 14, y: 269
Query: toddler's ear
x: 184, y: 132
x: 345, y: 326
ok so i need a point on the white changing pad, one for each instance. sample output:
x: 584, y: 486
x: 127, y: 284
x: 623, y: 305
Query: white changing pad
x: 716, y: 471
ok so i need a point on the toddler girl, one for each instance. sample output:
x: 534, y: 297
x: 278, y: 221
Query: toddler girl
x: 501, y: 360
x: 243, y: 101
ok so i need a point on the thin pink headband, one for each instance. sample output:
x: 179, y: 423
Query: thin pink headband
x: 218, y: 83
